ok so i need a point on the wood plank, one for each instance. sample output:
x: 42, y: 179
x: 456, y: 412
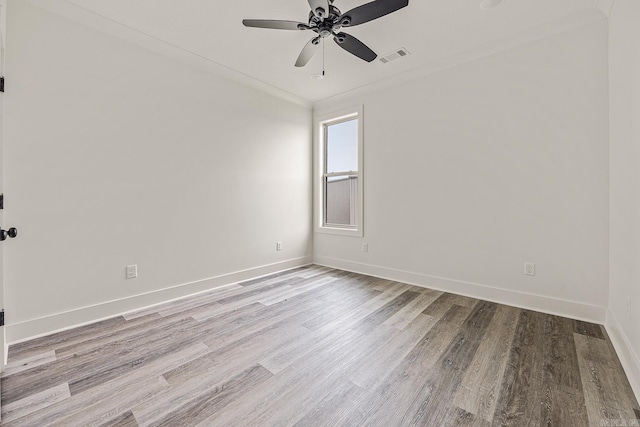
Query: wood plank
x: 125, y: 420
x: 103, y: 342
x: 110, y: 400
x: 378, y: 301
x: 563, y: 395
x: 443, y: 303
x: 288, y: 354
x: 292, y: 383
x: 522, y: 393
x: 560, y: 357
x: 35, y: 402
x: 19, y: 365
x: 296, y: 401
x: 379, y: 316
x: 388, y: 403
x: 563, y: 406
x: 104, y: 413
x: 461, y: 418
x: 252, y: 292
x: 169, y: 341
x: 432, y: 406
x: 332, y: 410
x: 346, y: 301
x: 193, y: 408
x: 377, y: 283
x: 606, y: 389
x: 478, y: 392
x: 378, y: 364
x: 84, y: 366
x: 185, y: 303
x: 284, y: 294
x: 236, y: 356
x: 333, y: 363
x: 50, y: 342
x: 315, y: 271
x: 233, y: 306
x: 413, y: 309
x: 588, y: 329
x: 282, y: 315
x: 282, y: 275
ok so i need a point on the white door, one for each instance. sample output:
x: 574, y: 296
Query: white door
x: 2, y: 45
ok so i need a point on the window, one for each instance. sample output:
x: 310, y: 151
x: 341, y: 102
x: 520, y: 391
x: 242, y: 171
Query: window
x: 340, y: 173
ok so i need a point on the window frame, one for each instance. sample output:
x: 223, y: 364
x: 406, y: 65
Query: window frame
x: 321, y: 123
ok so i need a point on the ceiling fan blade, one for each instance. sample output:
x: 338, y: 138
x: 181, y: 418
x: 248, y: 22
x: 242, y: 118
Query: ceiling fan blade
x: 370, y: 11
x: 355, y: 46
x: 320, y: 4
x: 274, y: 24
x: 307, y: 53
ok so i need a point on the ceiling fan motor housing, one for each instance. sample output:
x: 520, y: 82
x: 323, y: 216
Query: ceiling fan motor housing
x: 326, y: 20
x: 325, y: 24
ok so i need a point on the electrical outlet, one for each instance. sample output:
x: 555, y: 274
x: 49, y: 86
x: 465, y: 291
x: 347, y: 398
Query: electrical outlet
x: 529, y: 269
x: 365, y: 247
x: 132, y: 271
x: 278, y: 246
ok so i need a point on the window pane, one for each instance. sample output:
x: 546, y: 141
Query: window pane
x: 342, y: 147
x: 341, y: 200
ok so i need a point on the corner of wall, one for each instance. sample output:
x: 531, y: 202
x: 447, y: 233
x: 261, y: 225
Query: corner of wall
x: 604, y: 6
x: 58, y: 322
x: 543, y: 304
x: 628, y: 357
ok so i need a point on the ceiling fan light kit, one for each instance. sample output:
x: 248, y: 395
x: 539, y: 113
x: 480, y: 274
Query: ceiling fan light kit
x: 326, y: 20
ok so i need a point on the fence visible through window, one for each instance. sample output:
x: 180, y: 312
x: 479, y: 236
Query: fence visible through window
x: 342, y: 200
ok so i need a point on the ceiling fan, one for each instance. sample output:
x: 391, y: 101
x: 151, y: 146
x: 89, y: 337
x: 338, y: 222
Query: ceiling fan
x: 326, y: 20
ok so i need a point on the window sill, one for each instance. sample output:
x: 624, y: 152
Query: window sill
x: 340, y: 231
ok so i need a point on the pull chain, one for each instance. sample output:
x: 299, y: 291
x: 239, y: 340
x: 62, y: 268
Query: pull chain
x: 323, y: 56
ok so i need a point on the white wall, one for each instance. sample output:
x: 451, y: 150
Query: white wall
x: 115, y: 155
x: 472, y: 171
x: 624, y: 279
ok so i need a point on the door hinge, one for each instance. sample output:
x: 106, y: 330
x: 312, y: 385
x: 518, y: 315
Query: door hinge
x: 2, y: 318
x: 1, y: 201
x: 1, y: 84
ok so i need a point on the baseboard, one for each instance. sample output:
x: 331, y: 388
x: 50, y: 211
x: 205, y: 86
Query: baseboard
x: 558, y: 307
x: 34, y: 328
x: 628, y: 357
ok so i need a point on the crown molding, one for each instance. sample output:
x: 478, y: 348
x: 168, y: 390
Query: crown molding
x: 93, y: 20
x: 599, y: 12
x: 550, y: 29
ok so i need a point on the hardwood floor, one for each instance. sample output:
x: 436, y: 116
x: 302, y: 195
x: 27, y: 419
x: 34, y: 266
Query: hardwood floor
x: 321, y: 347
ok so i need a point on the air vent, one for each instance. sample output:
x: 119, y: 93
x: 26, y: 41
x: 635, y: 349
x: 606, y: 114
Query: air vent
x: 400, y: 53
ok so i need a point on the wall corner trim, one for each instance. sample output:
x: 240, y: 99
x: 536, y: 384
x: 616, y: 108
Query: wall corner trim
x: 58, y: 322
x: 554, y: 306
x: 628, y: 357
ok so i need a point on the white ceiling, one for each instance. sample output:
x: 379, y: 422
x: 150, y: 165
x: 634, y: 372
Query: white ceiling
x: 432, y: 30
